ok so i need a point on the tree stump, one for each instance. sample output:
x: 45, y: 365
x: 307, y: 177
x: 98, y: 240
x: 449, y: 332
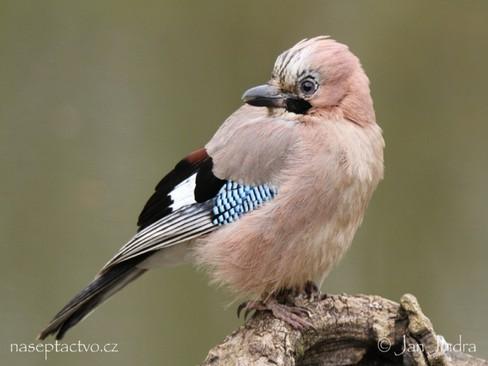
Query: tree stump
x: 348, y: 330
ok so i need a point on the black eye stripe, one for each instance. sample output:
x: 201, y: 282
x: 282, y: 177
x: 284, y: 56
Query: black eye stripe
x: 297, y: 105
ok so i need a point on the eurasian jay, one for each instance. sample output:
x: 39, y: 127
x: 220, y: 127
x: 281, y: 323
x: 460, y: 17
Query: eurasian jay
x: 273, y: 200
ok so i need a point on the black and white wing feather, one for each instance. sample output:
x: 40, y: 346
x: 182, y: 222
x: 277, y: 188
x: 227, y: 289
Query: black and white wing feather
x: 188, y: 203
x: 186, y: 223
x: 179, y: 210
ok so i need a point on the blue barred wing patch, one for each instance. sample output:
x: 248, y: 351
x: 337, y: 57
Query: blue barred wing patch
x: 234, y: 200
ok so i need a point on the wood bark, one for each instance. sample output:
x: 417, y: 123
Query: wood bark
x: 347, y: 330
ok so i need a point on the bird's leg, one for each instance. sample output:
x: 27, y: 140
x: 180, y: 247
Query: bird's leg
x: 286, y: 296
x: 311, y: 291
x: 282, y: 306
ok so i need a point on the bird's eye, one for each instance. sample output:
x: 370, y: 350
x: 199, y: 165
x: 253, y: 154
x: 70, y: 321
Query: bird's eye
x: 308, y: 86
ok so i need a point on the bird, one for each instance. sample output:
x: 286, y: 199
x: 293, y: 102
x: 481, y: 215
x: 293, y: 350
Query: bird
x: 272, y: 202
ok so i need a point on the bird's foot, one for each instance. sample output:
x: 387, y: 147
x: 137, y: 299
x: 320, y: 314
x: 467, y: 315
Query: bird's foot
x: 294, y: 315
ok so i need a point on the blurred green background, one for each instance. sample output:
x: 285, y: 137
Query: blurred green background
x: 98, y: 99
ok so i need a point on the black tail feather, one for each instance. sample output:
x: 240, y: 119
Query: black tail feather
x: 100, y: 289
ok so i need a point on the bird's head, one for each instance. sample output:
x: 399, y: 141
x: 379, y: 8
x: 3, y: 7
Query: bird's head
x: 317, y: 76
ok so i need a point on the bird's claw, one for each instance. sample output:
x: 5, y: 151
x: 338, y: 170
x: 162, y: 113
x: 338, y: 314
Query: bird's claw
x: 240, y: 308
x: 249, y: 307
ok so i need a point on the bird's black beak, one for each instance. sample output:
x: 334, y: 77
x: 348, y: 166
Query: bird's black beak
x: 265, y: 96
x: 268, y: 95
